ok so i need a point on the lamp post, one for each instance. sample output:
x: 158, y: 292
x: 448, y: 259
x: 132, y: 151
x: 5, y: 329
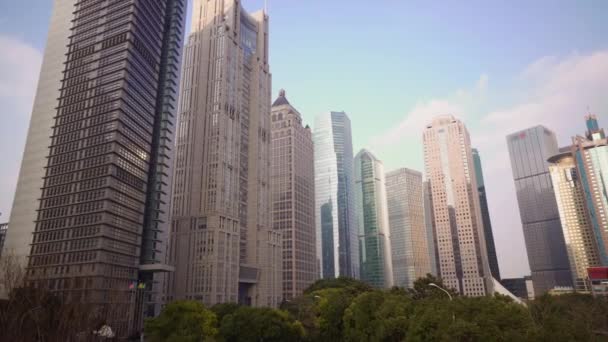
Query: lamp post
x: 449, y: 296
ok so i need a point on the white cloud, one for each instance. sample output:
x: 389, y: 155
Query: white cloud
x: 19, y: 69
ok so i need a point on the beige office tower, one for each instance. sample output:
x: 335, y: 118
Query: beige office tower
x: 222, y: 245
x: 26, y: 203
x: 292, y: 184
x: 462, y: 258
x: 409, y: 243
x: 578, y: 232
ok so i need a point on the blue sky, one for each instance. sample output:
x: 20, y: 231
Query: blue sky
x: 500, y: 66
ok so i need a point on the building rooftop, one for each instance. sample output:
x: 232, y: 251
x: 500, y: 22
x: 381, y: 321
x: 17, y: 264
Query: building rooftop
x: 281, y: 100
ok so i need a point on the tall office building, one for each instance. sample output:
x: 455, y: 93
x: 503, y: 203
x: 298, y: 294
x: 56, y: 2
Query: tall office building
x: 485, y: 216
x: 578, y: 234
x: 408, y: 231
x: 98, y: 155
x: 292, y: 185
x: 3, y: 230
x: 222, y: 244
x: 461, y: 249
x: 591, y: 153
x: 372, y: 212
x: 529, y: 151
x: 337, y: 233
x: 430, y: 230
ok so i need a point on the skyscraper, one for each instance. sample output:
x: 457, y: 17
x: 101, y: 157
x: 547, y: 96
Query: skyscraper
x: 408, y: 231
x: 102, y: 217
x: 337, y: 233
x: 591, y: 153
x: 222, y: 244
x: 430, y: 229
x: 3, y: 230
x: 292, y: 183
x: 578, y: 234
x: 529, y: 151
x: 372, y: 211
x: 485, y: 216
x: 462, y: 254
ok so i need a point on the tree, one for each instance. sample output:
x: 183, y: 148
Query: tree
x: 422, y: 288
x: 341, y: 282
x: 182, y: 321
x: 470, y: 319
x: 570, y: 317
x: 260, y: 324
x: 378, y: 316
x: 224, y: 309
x: 330, y: 305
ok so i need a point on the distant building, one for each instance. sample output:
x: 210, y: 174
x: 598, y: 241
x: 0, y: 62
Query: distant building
x: 409, y: 244
x: 598, y: 277
x: 458, y: 226
x: 292, y: 188
x: 3, y: 229
x: 374, y: 242
x: 576, y: 226
x: 591, y: 153
x: 428, y: 223
x: 336, y: 220
x: 520, y: 287
x: 485, y: 216
x: 529, y: 151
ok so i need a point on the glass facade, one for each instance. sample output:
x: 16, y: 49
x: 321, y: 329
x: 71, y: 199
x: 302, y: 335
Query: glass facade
x: 374, y: 242
x: 408, y: 231
x: 485, y: 216
x: 529, y: 151
x: 337, y: 247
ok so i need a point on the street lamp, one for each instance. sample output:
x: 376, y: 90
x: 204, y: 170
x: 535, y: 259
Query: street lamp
x: 449, y: 296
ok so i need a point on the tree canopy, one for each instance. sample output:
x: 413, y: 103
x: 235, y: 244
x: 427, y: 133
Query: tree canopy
x: 182, y: 321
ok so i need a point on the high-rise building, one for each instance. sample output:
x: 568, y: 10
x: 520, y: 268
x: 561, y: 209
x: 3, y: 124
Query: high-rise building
x: 578, y: 234
x: 529, y: 151
x: 25, y: 204
x: 95, y: 179
x: 222, y: 244
x: 485, y: 216
x: 408, y: 231
x: 430, y: 230
x: 3, y: 230
x: 336, y: 220
x: 292, y: 185
x: 520, y: 287
x: 458, y: 228
x: 372, y: 213
x: 591, y: 152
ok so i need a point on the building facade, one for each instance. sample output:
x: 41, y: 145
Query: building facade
x: 292, y: 185
x: 408, y: 231
x: 336, y: 220
x: 576, y: 226
x: 222, y: 244
x: 520, y: 287
x: 485, y: 216
x: 3, y: 230
x: 102, y: 216
x: 458, y: 226
x: 591, y: 152
x: 372, y: 211
x: 529, y: 151
x: 430, y: 230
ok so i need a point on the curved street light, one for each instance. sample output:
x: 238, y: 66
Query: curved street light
x: 449, y: 296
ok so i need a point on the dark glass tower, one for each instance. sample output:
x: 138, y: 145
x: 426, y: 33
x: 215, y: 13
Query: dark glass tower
x: 485, y: 217
x: 101, y: 229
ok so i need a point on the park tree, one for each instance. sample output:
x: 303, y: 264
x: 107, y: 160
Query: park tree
x: 378, y: 316
x: 222, y: 310
x: 354, y: 285
x: 248, y: 324
x: 423, y: 289
x: 182, y: 321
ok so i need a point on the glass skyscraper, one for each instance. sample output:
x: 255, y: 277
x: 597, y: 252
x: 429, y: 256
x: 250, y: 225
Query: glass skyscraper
x: 337, y: 233
x: 485, y: 216
x: 591, y: 153
x: 529, y: 151
x: 95, y: 180
x: 408, y: 231
x: 372, y: 212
